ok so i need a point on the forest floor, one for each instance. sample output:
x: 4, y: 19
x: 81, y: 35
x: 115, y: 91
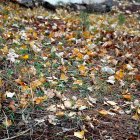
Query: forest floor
x: 69, y: 75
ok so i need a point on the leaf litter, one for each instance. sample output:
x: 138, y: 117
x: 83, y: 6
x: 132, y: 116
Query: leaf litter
x: 64, y: 79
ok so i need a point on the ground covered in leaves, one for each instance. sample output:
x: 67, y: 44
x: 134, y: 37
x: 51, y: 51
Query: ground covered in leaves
x: 69, y: 75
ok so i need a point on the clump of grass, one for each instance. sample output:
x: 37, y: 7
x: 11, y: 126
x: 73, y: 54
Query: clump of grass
x: 121, y: 19
x: 85, y: 20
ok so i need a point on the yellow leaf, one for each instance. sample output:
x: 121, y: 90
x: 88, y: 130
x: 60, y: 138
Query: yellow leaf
x: 75, y: 51
x: 78, y: 82
x: 7, y: 122
x: 79, y: 56
x: 119, y: 75
x: 24, y: 46
x: 103, y: 112
x: 63, y: 77
x: 23, y: 102
x: 82, y: 69
x: 39, y: 100
x: 60, y: 114
x: 34, y: 34
x: 79, y: 134
x: 135, y: 117
x: 25, y: 57
x: 25, y: 88
x: 36, y: 84
x: 5, y: 50
x: 127, y: 97
x: 1, y: 82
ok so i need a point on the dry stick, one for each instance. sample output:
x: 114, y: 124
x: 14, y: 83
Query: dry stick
x: 20, y: 134
x: 6, y: 124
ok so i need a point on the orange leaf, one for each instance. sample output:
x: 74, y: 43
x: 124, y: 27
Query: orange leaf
x: 79, y: 56
x: 119, y: 75
x: 39, y: 100
x: 127, y: 97
x: 138, y: 77
x: 18, y: 81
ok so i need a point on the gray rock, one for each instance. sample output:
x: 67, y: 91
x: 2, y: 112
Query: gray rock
x: 83, y: 5
x: 26, y: 3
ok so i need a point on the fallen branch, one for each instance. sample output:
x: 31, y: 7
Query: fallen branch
x: 21, y: 133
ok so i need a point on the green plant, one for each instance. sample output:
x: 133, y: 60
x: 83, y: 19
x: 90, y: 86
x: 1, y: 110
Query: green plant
x: 121, y: 19
x: 85, y: 20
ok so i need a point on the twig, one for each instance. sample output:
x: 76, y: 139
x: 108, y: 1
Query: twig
x: 20, y: 134
x: 6, y: 120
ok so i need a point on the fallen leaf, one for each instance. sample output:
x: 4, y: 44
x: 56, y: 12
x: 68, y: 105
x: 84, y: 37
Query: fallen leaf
x: 82, y: 69
x: 63, y: 77
x: 78, y: 82
x: 10, y: 94
x: 103, y: 112
x: 1, y: 82
x: 79, y: 134
x: 49, y: 93
x: 7, y: 122
x: 119, y: 75
x: 25, y: 57
x: 137, y: 77
x: 138, y: 111
x: 60, y: 114
x: 135, y: 117
x: 111, y: 103
x: 92, y: 100
x: 111, y: 80
x: 37, y: 83
x: 107, y: 70
x: 39, y: 100
x: 129, y: 67
x: 12, y: 105
x: 127, y: 97
x: 68, y: 104
x: 52, y: 119
x: 52, y: 108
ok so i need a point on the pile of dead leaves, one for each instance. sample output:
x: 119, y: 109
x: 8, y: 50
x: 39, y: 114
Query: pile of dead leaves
x: 69, y: 75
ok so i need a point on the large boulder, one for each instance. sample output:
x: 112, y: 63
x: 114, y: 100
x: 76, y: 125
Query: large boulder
x: 26, y: 3
x: 84, y: 5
